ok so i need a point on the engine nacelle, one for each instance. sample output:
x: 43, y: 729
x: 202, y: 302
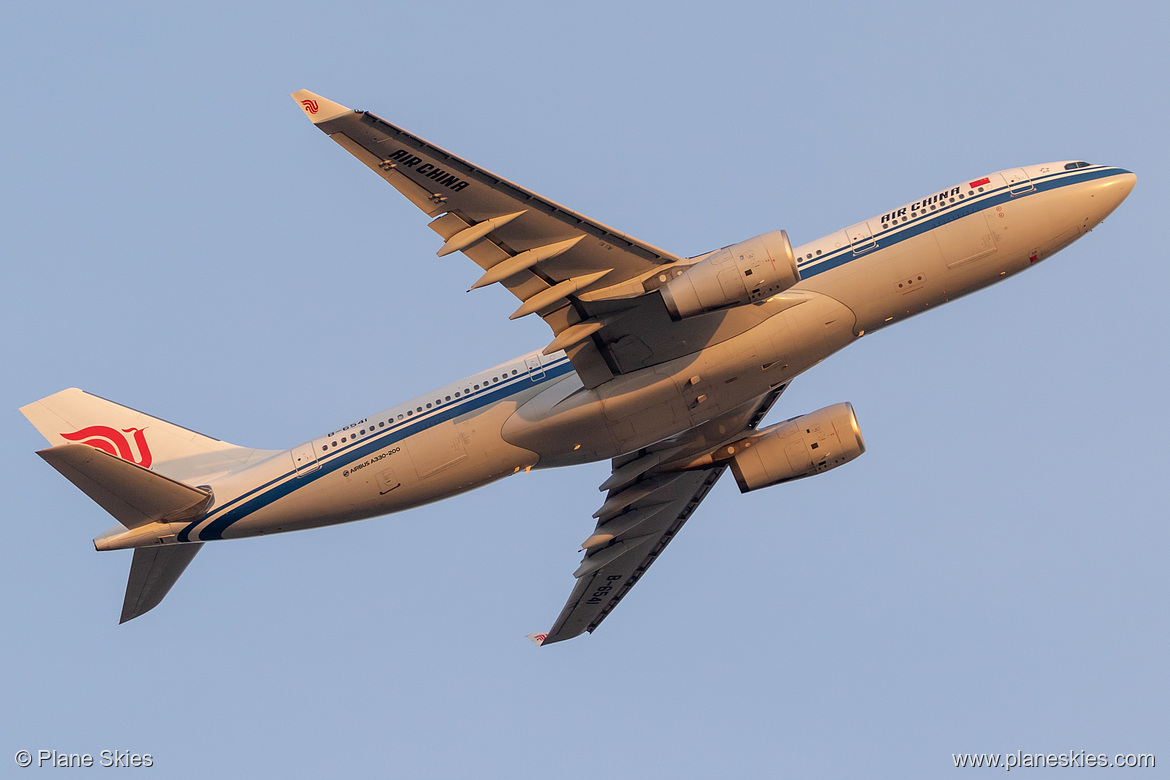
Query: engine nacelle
x: 801, y: 447
x: 741, y: 273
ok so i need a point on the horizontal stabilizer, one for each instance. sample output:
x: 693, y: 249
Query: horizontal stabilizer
x: 152, y: 573
x: 133, y: 495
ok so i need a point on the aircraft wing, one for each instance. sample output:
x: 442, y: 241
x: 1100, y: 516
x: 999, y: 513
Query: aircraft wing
x: 579, y: 275
x: 608, y: 573
x: 644, y: 509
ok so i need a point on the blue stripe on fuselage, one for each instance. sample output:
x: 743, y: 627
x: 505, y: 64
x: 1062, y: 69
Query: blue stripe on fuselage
x: 262, y: 495
x: 892, y: 235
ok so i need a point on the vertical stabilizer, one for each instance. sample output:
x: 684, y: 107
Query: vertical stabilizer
x: 76, y: 417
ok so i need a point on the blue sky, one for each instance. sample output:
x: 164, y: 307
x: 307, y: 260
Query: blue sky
x: 990, y: 577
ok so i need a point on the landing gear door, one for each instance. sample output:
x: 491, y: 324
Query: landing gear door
x: 304, y: 458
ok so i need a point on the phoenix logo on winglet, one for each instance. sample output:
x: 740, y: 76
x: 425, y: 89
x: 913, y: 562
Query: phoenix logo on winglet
x: 310, y: 106
x: 115, y: 442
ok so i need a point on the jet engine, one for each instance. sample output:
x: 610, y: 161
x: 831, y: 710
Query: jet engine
x: 801, y: 447
x: 738, y: 274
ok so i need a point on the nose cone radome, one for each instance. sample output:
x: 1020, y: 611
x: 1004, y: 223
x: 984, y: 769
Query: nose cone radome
x: 1102, y: 196
x: 1115, y: 189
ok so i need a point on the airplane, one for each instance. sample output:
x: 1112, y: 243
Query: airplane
x: 663, y: 365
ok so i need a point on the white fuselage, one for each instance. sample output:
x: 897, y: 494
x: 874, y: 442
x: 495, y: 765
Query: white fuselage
x: 534, y: 412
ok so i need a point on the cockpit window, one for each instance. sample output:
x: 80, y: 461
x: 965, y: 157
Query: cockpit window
x: 1072, y: 166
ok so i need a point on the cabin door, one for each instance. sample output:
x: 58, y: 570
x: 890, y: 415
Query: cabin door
x: 304, y: 458
x: 1018, y: 181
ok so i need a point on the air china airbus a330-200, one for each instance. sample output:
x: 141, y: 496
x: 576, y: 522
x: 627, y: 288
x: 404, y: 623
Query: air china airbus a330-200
x: 663, y: 365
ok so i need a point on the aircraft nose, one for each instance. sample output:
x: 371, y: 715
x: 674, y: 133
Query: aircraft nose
x: 1117, y: 188
x: 1107, y: 194
x: 1125, y: 181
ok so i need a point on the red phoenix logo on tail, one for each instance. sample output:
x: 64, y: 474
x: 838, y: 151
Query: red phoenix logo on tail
x: 115, y: 442
x: 310, y: 106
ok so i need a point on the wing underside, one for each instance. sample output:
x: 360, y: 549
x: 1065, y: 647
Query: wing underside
x: 605, y: 578
x: 646, y: 506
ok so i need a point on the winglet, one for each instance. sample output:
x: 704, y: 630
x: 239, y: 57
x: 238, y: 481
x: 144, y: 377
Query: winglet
x: 317, y: 108
x: 538, y: 637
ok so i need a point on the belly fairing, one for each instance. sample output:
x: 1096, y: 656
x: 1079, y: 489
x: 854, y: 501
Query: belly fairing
x: 568, y: 424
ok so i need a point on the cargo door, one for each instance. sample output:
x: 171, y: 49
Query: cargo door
x: 965, y: 240
x: 437, y: 448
